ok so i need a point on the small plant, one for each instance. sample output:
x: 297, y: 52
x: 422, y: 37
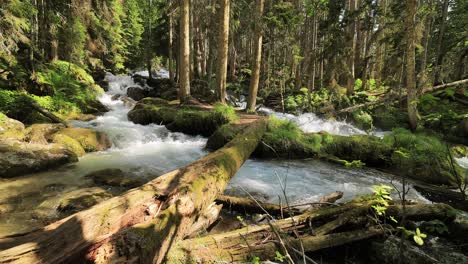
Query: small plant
x: 417, y: 235
x: 381, y: 197
x: 241, y: 220
x: 279, y: 257
x: 255, y: 260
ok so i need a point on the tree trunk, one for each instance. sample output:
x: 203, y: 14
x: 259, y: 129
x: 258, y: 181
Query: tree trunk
x: 411, y: 64
x: 439, y: 54
x: 171, y: 56
x: 223, y: 44
x: 257, y: 58
x: 141, y: 225
x: 184, y: 53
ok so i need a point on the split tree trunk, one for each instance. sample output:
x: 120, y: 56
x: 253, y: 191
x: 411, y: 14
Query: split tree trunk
x: 141, y: 225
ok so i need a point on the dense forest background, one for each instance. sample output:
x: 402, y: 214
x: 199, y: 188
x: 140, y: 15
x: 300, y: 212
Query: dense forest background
x: 315, y: 54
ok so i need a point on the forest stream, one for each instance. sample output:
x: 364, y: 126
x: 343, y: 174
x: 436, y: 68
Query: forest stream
x: 149, y: 151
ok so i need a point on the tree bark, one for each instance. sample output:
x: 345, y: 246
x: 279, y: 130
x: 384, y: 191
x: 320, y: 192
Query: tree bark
x: 411, y: 64
x: 184, y: 53
x: 141, y: 225
x: 171, y: 56
x: 223, y: 45
x: 257, y: 58
x: 439, y: 53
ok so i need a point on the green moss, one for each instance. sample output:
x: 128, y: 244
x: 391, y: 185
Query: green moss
x: 227, y: 111
x: 69, y: 143
x: 189, y: 120
x: 3, y: 117
x: 363, y: 120
x: 368, y: 149
x: 89, y: 139
x: 421, y: 156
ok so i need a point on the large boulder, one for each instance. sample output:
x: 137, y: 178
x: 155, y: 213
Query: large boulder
x: 90, y: 140
x: 136, y: 93
x: 116, y: 178
x: 17, y: 158
x: 41, y: 133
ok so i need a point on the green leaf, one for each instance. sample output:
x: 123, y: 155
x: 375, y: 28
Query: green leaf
x: 393, y: 219
x: 418, y: 240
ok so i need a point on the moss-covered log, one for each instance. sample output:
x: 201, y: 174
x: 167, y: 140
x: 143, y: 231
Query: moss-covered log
x: 188, y: 119
x: 140, y: 225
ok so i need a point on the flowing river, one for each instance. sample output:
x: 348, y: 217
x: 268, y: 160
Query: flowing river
x: 150, y: 151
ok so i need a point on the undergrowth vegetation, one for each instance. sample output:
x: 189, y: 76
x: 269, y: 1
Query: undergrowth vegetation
x: 66, y: 90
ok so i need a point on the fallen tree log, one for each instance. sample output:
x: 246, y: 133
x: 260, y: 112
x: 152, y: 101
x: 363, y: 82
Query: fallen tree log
x: 394, y: 97
x: 47, y: 114
x: 141, y: 225
x: 239, y: 245
x: 250, y: 206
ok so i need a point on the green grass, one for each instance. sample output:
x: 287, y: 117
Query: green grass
x: 227, y: 111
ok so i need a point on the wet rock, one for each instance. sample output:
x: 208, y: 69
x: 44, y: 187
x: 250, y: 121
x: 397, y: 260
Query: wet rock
x: 95, y: 107
x: 83, y: 198
x: 89, y: 139
x: 115, y: 177
x: 116, y: 97
x: 141, y: 80
x: 136, y: 93
x: 17, y: 158
x: 104, y: 85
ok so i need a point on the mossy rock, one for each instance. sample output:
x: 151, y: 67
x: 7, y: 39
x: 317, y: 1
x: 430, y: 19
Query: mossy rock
x: 90, y: 140
x: 82, y: 199
x: 115, y: 177
x: 42, y: 133
x: 18, y: 158
x: 7, y: 123
x: 460, y: 151
x: 69, y: 143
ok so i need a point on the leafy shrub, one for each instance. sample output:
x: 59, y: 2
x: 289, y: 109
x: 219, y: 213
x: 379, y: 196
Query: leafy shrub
x: 363, y: 120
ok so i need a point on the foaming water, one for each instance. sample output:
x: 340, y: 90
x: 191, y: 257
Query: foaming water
x: 311, y: 123
x: 307, y: 180
x: 462, y: 162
